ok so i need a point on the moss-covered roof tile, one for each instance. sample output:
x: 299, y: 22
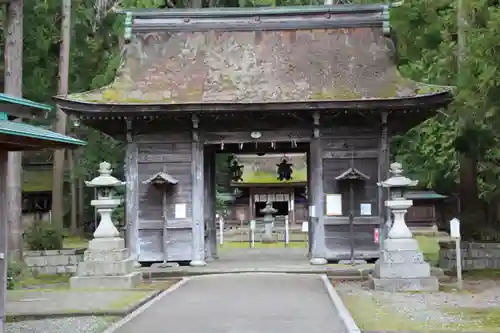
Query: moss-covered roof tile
x: 37, y: 180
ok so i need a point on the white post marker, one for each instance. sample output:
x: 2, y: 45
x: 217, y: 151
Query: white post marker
x: 252, y: 234
x: 286, y: 231
x: 221, y: 231
x: 305, y: 230
x: 455, y: 234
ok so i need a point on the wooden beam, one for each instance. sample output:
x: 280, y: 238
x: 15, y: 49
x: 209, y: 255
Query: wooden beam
x: 132, y: 193
x: 197, y: 202
x: 346, y: 154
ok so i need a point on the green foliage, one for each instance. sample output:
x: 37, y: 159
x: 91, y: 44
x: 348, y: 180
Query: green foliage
x: 43, y: 236
x: 118, y: 215
x: 14, y: 272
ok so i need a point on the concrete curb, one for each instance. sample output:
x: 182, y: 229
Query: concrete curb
x: 116, y: 326
x: 344, y: 314
x: 344, y: 274
x: 14, y: 317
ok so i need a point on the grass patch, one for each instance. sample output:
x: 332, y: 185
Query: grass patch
x: 33, y: 281
x: 259, y: 245
x: 75, y: 242
x: 479, y: 320
x: 482, y: 274
x: 157, y: 284
x: 429, y: 245
x: 129, y: 300
x: 370, y: 315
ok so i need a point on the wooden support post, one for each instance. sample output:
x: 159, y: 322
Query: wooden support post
x: 383, y: 174
x: 197, y: 202
x: 209, y: 209
x: 4, y: 230
x: 317, y: 196
x: 132, y: 194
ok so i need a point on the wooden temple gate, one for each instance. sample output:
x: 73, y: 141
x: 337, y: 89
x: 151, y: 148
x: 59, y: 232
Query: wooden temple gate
x: 197, y: 82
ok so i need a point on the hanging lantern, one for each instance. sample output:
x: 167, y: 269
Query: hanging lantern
x: 236, y: 171
x: 284, y: 170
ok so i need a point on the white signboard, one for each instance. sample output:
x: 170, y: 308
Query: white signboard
x: 333, y: 204
x: 180, y: 211
x: 305, y: 226
x: 455, y: 228
x: 292, y: 204
x: 365, y: 209
x: 252, y: 225
x: 312, y: 211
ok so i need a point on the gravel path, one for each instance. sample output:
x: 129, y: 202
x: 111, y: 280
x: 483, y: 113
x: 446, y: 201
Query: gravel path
x: 431, y: 310
x: 62, y: 325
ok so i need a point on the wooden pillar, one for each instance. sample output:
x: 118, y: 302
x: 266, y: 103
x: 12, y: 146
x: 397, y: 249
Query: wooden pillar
x: 317, y: 200
x: 383, y: 163
x: 213, y: 204
x: 197, y: 202
x: 383, y: 174
x: 132, y: 193
x: 3, y: 235
x: 209, y: 209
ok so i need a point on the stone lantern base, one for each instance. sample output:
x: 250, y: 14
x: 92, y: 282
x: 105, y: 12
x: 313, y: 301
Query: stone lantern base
x: 401, y: 267
x: 107, y: 264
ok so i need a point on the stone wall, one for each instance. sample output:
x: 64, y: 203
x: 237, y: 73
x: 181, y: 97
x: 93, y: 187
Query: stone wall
x: 474, y: 255
x: 53, y: 261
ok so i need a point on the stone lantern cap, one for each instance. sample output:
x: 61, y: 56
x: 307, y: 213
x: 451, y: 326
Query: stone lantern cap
x: 269, y: 208
x: 104, y: 179
x: 397, y: 180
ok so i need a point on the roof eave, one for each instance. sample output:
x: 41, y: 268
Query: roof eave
x: 434, y: 100
x: 257, y: 11
x: 18, y: 107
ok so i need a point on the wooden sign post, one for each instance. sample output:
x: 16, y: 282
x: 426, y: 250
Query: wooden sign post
x: 455, y: 235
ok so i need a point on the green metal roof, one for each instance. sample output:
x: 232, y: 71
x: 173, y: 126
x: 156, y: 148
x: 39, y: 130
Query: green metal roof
x: 22, y: 108
x: 24, y: 102
x: 423, y: 195
x: 17, y: 136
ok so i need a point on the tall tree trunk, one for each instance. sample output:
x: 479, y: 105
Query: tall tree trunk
x: 14, y: 87
x: 74, y: 193
x: 58, y: 168
x: 81, y: 201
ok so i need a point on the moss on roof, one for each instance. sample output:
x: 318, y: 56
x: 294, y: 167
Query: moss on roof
x: 258, y: 66
x: 37, y: 180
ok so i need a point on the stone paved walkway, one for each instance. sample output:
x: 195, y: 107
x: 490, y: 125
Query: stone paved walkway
x: 242, y: 303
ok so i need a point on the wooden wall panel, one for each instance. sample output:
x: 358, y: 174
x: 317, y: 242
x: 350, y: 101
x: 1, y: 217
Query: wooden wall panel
x: 365, y: 192
x: 171, y: 154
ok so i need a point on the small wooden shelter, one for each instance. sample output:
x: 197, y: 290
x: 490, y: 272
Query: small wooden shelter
x: 309, y: 79
x: 18, y: 136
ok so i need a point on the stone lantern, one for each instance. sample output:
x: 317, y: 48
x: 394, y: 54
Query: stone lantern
x: 268, y: 222
x: 397, y: 204
x: 107, y: 263
x: 401, y: 266
x: 106, y: 185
